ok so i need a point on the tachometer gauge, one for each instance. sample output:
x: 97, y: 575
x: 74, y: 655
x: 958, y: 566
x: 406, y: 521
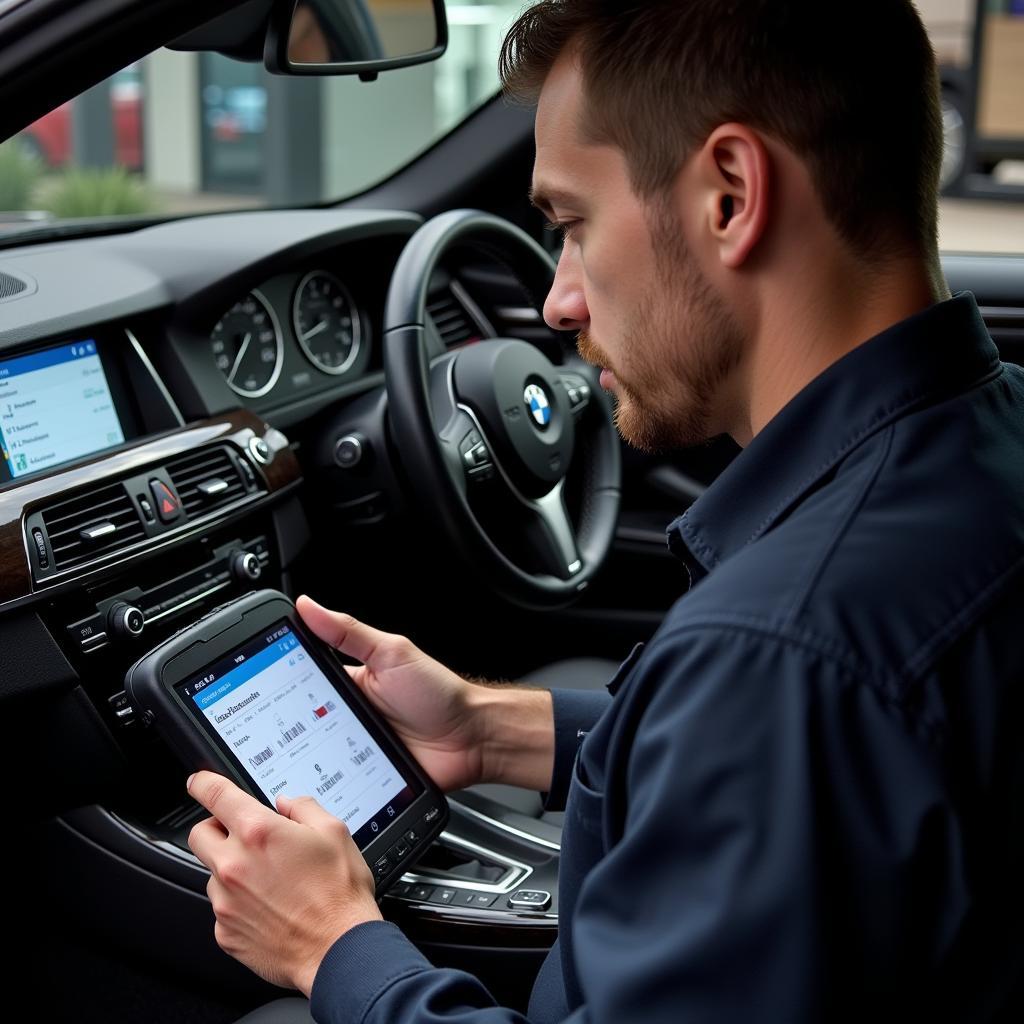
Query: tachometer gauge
x: 247, y: 346
x: 326, y: 322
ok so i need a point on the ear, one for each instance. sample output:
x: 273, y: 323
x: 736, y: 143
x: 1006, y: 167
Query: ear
x: 734, y: 171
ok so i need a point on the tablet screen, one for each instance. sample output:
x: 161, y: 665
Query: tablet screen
x: 286, y: 726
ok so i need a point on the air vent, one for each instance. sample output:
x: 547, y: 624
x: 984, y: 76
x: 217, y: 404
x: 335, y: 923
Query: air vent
x: 452, y: 321
x: 93, y: 524
x: 206, y: 479
x: 11, y: 286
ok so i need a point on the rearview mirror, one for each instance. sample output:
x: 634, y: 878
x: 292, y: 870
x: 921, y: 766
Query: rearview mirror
x: 353, y: 37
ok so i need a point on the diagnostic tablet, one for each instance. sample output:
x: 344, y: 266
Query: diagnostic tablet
x: 249, y: 693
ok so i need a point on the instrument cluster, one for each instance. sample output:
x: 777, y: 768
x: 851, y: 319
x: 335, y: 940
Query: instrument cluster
x: 322, y: 320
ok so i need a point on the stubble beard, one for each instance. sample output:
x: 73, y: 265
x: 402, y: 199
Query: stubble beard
x: 680, y: 349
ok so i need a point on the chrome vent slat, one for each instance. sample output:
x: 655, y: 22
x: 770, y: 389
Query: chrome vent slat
x: 75, y: 523
x: 121, y: 537
x: 73, y: 531
x: 187, y: 472
x: 194, y: 479
x: 65, y: 521
x: 194, y: 504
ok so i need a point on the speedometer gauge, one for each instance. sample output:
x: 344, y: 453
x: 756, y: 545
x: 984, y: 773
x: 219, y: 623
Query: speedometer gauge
x: 247, y: 346
x: 326, y: 322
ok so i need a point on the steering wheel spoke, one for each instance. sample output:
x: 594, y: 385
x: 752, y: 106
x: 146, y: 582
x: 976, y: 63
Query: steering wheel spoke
x: 552, y: 535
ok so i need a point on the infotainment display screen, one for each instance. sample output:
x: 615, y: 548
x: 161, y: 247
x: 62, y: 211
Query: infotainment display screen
x: 55, y: 406
x: 288, y: 729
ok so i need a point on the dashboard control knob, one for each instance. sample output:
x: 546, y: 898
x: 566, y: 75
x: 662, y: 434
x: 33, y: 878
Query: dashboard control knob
x: 261, y: 451
x: 125, y: 620
x: 349, y: 450
x: 245, y: 567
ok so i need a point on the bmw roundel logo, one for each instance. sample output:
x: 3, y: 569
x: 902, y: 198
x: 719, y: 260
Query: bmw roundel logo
x: 537, y: 402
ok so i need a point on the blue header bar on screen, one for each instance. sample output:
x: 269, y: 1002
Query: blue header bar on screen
x: 51, y: 357
x: 236, y: 677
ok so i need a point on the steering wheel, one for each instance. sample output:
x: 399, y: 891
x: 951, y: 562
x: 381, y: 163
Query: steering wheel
x: 486, y: 434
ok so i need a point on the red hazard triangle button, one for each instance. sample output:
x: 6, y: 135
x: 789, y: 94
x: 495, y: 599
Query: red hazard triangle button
x: 166, y: 501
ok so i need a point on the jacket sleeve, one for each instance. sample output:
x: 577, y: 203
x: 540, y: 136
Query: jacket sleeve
x: 373, y: 973
x: 576, y: 713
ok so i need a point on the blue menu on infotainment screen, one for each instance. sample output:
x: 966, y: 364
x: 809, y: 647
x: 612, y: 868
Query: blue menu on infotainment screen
x: 55, y: 406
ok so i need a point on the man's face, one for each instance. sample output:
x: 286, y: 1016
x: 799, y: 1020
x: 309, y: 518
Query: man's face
x: 629, y: 285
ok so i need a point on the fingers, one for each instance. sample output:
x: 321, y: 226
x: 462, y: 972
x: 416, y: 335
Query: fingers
x: 306, y: 811
x: 223, y: 799
x: 205, y: 840
x: 342, y: 632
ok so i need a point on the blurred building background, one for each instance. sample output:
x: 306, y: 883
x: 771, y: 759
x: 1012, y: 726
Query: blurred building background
x: 204, y: 129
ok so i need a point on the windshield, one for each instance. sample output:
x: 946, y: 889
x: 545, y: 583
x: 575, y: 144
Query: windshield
x: 198, y: 132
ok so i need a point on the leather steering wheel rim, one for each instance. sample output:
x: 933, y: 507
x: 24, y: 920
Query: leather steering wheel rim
x: 429, y: 452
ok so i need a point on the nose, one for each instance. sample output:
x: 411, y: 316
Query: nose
x: 566, y: 306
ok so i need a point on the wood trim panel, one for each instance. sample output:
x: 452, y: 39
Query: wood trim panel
x: 18, y: 500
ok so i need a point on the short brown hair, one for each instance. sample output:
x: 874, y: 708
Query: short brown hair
x: 853, y: 92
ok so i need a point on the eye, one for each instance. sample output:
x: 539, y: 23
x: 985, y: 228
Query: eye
x: 566, y: 227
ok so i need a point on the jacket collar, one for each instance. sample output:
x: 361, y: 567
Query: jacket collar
x: 942, y: 351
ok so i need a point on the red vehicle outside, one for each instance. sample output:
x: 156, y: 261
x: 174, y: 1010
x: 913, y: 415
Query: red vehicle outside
x: 50, y: 138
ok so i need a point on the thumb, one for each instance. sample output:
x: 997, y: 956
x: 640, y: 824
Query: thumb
x: 343, y: 632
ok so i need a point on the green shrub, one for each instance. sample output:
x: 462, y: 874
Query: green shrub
x: 97, y: 193
x: 18, y: 175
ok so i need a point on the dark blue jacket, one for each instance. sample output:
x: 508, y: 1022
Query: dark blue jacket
x: 805, y: 799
